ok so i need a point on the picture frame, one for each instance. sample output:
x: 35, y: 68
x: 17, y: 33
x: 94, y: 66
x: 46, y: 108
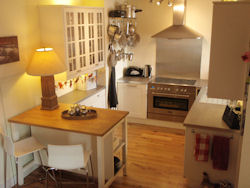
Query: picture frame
x: 9, y: 51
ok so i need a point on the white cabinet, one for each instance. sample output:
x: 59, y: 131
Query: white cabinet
x: 230, y: 40
x: 97, y: 100
x: 76, y: 34
x: 193, y: 169
x: 133, y: 98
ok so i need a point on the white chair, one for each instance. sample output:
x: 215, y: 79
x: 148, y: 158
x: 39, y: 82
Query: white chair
x: 20, y: 149
x: 69, y: 158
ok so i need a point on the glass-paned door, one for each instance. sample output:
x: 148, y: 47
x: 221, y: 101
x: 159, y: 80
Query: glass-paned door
x: 100, y: 36
x: 70, y: 40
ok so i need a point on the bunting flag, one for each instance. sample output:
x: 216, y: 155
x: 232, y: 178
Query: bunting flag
x: 71, y: 82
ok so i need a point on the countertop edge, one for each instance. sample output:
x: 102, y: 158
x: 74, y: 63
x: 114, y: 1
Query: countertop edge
x: 20, y: 120
x: 190, y: 120
x: 134, y: 80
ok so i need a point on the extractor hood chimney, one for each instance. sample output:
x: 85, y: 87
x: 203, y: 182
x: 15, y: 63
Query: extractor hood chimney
x: 178, y: 30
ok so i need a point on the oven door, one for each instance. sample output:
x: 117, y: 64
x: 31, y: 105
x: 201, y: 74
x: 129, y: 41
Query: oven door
x: 171, y: 104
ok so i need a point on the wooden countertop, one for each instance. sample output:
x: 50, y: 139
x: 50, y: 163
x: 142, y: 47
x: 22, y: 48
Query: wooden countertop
x: 206, y: 115
x: 106, y: 120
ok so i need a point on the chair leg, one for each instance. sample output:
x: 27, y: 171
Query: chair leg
x: 17, y: 173
x: 92, y: 171
x: 46, y: 176
x: 40, y: 157
x: 87, y: 179
x: 60, y: 175
x: 5, y: 169
x: 53, y: 173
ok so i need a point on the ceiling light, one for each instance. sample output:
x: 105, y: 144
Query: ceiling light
x: 179, y: 8
x: 159, y: 2
x: 170, y: 3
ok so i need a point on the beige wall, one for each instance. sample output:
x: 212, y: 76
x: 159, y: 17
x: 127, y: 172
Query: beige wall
x: 149, y: 22
x: 244, y: 162
x: 19, y: 91
x: 156, y: 18
x: 199, y: 17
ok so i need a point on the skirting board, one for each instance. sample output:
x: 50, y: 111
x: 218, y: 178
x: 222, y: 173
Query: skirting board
x: 29, y: 169
x: 168, y: 124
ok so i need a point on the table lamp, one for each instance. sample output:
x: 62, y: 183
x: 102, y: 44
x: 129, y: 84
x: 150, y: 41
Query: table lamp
x: 46, y: 63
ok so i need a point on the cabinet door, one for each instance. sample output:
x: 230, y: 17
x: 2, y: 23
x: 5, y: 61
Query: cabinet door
x: 84, y: 36
x: 230, y: 40
x: 81, y: 39
x: 133, y: 98
x: 70, y: 20
x: 95, y: 30
x: 100, y: 37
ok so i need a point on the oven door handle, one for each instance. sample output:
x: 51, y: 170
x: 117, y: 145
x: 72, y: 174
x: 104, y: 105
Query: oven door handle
x: 171, y: 95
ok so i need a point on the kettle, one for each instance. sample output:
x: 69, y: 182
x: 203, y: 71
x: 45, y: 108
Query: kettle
x: 147, y: 71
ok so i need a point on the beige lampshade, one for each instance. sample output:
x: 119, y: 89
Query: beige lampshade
x: 45, y: 62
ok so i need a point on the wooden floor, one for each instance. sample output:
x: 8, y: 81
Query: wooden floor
x: 155, y: 160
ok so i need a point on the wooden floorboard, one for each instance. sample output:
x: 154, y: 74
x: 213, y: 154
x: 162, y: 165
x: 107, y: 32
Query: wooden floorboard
x: 155, y: 160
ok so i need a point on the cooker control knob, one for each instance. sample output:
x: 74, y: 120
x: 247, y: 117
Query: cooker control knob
x: 165, y: 89
x: 161, y: 88
x: 181, y: 90
x: 177, y: 90
x: 169, y: 89
x: 158, y: 88
x: 185, y: 90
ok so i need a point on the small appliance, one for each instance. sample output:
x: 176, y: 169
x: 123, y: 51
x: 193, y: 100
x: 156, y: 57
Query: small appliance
x: 147, y: 71
x: 134, y: 71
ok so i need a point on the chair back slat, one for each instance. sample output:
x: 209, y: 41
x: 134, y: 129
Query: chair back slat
x: 66, y: 157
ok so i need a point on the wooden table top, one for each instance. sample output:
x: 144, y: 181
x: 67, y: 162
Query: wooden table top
x: 106, y: 120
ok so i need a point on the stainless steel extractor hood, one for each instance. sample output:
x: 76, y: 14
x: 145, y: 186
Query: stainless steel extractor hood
x: 178, y: 30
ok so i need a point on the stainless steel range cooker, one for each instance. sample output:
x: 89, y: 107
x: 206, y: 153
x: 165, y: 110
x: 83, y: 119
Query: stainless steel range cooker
x: 170, y: 99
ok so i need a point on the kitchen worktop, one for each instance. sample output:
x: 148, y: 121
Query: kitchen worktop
x: 141, y: 80
x: 99, y: 126
x: 206, y: 115
x: 77, y: 96
x: 134, y: 80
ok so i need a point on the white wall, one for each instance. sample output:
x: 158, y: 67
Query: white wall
x: 156, y: 18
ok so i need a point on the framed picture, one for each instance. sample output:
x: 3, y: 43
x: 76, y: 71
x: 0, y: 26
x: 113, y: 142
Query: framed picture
x: 8, y: 50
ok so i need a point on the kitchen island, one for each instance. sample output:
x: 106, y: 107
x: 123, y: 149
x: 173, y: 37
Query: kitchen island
x: 206, y: 118
x: 50, y: 128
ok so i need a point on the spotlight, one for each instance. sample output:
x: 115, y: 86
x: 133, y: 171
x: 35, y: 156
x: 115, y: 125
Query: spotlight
x: 159, y: 2
x: 170, y: 3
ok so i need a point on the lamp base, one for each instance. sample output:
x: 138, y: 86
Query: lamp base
x: 49, y: 98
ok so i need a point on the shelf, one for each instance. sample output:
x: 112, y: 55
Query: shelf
x: 123, y: 165
x: 122, y: 18
x: 110, y: 181
x: 120, y: 145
